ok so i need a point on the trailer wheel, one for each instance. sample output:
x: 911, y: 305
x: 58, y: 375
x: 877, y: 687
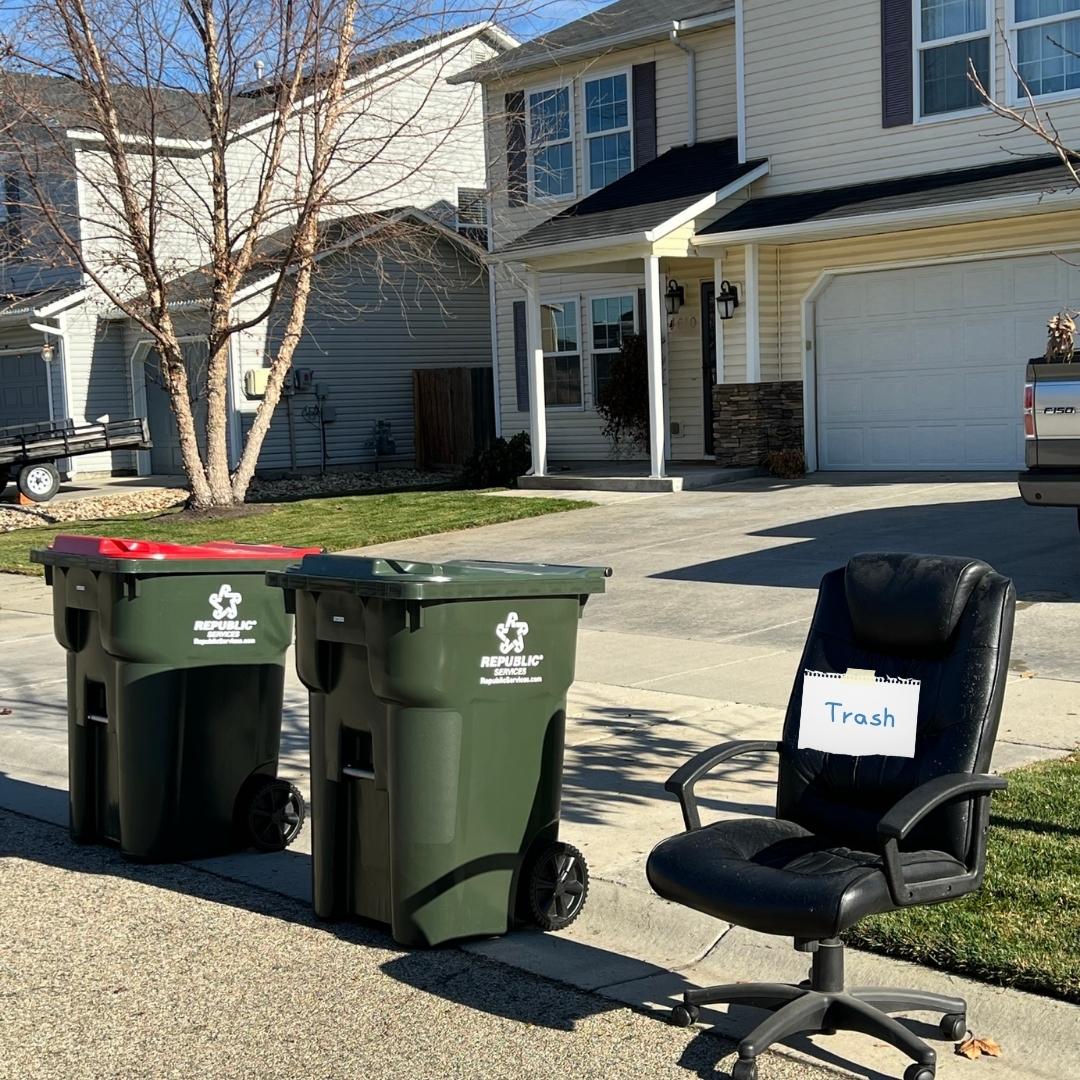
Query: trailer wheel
x: 39, y: 482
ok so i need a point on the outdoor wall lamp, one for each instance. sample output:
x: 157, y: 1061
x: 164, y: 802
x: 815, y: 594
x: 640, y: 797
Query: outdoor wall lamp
x: 727, y: 300
x: 675, y: 297
x: 48, y: 351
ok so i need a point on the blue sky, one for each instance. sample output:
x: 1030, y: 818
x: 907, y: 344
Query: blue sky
x: 548, y: 14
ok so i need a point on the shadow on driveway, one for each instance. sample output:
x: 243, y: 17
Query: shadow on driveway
x: 1038, y: 547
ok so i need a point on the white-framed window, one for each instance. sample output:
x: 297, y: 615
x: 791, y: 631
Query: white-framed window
x: 951, y: 37
x: 608, y: 134
x: 1046, y: 46
x: 560, y: 338
x: 549, y: 119
x: 611, y: 318
x: 472, y: 214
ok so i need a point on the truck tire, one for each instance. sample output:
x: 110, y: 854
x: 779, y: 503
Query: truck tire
x: 39, y: 482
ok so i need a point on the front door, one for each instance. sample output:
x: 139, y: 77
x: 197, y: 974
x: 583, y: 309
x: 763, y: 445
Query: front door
x: 708, y: 358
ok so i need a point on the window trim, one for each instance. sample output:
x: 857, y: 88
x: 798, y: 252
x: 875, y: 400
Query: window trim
x: 1013, y: 28
x: 530, y: 148
x: 594, y: 76
x: 548, y: 301
x: 918, y: 47
x: 606, y: 294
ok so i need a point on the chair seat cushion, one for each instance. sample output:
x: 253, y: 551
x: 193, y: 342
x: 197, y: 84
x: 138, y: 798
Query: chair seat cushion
x: 776, y: 877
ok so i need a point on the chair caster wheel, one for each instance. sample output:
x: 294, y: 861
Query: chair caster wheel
x: 920, y: 1072
x: 744, y: 1069
x: 684, y: 1015
x: 953, y: 1026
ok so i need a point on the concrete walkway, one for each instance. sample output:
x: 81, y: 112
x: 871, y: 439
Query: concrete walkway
x: 697, y: 641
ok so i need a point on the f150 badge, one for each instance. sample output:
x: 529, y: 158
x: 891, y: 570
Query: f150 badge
x: 1059, y: 410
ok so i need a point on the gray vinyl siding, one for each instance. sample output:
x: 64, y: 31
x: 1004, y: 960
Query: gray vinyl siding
x: 100, y: 382
x: 365, y: 334
x: 42, y: 263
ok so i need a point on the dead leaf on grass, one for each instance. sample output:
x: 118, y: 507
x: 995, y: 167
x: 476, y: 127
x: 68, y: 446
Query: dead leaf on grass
x: 974, y: 1048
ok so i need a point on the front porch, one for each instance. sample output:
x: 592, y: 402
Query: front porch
x: 630, y: 476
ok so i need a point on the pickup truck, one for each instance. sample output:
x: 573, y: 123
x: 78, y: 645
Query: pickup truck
x: 1052, y: 436
x: 30, y: 453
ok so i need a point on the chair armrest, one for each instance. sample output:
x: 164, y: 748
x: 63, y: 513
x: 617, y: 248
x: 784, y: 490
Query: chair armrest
x: 682, y: 780
x: 901, y: 818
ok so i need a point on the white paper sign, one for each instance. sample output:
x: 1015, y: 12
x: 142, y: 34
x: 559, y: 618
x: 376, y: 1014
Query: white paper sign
x: 859, y: 714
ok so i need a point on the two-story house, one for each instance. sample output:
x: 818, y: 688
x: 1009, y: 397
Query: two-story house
x: 808, y: 211
x: 373, y: 317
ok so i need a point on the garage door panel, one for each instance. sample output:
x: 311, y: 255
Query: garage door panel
x: 936, y: 290
x: 843, y: 399
x: 935, y: 382
x: 890, y: 446
x: 843, y: 448
x: 24, y: 396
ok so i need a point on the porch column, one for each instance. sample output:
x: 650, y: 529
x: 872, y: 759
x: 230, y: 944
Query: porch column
x: 718, y: 276
x: 535, y: 347
x: 654, y: 320
x: 753, y: 314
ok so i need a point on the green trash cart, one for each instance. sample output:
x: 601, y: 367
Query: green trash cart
x: 438, y: 714
x: 175, y: 673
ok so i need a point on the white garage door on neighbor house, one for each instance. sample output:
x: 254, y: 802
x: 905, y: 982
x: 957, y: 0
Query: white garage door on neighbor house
x: 923, y: 368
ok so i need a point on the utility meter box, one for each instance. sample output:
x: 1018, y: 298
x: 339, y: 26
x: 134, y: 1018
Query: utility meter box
x: 304, y: 378
x: 255, y: 382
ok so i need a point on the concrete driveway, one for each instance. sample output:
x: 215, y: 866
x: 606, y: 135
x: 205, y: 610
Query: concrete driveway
x: 697, y: 641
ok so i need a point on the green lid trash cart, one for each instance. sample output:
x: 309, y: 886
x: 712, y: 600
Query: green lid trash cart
x: 175, y: 672
x: 438, y: 714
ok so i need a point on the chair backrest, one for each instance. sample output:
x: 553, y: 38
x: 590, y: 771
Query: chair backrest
x: 943, y: 620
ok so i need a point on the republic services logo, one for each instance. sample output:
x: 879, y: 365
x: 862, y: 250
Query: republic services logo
x: 225, y: 602
x: 511, y: 634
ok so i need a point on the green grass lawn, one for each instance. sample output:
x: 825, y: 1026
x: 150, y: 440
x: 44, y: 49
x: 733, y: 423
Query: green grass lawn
x: 335, y: 523
x: 1023, y: 928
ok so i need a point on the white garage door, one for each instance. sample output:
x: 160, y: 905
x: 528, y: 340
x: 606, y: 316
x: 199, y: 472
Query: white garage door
x: 24, y: 397
x: 924, y: 368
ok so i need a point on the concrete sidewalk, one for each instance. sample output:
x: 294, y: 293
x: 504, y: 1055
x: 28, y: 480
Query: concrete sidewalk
x: 697, y: 642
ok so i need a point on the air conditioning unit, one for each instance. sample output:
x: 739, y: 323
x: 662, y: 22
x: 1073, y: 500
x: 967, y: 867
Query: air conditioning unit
x: 255, y: 382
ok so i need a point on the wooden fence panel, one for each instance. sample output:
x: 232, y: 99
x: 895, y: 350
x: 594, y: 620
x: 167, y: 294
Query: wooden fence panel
x: 453, y: 414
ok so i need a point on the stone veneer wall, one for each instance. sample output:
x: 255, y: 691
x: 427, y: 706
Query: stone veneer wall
x: 750, y: 419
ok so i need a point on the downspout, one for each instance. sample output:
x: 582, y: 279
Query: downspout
x: 691, y: 83
x: 61, y: 336
x: 63, y: 464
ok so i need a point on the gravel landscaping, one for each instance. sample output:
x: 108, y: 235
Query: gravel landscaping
x: 150, y: 500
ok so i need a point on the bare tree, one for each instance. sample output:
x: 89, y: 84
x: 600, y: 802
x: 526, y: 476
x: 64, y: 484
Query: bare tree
x: 1029, y: 116
x: 214, y: 143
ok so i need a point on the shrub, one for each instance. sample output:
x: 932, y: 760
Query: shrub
x: 786, y: 464
x: 500, y: 464
x: 624, y: 402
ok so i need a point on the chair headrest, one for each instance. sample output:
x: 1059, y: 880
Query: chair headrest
x: 909, y: 603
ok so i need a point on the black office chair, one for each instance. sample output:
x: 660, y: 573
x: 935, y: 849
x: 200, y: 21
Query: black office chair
x: 854, y: 836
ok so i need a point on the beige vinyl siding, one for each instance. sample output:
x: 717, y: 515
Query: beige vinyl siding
x: 717, y: 117
x: 803, y: 264
x: 813, y: 92
x: 576, y: 434
x: 734, y: 330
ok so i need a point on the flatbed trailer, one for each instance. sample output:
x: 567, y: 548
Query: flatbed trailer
x: 29, y: 453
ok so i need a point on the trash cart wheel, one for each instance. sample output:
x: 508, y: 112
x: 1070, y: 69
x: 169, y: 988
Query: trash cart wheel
x: 39, y: 482
x: 558, y: 885
x: 271, y: 812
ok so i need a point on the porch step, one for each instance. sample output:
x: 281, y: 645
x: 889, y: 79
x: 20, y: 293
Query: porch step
x: 686, y: 479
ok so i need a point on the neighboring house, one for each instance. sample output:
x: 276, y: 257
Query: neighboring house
x: 365, y: 331
x: 896, y: 249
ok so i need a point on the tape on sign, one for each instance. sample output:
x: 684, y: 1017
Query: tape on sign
x: 859, y: 714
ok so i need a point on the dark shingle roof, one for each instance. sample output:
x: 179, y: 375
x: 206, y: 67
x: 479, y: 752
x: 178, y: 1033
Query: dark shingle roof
x: 1013, y: 177
x: 22, y: 306
x: 644, y: 198
x: 623, y: 18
